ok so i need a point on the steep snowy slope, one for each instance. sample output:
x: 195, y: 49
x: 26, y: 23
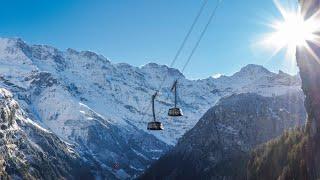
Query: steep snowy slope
x: 30, y: 152
x: 103, y: 107
x: 218, y: 146
x: 120, y: 91
x: 108, y: 140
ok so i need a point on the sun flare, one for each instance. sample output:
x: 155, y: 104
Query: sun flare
x: 291, y: 31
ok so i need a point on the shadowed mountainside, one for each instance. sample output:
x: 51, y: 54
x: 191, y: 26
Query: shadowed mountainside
x: 218, y: 147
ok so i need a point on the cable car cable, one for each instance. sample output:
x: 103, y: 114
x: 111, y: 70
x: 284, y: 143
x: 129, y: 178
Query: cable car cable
x: 177, y: 111
x: 213, y: 14
x: 204, y: 3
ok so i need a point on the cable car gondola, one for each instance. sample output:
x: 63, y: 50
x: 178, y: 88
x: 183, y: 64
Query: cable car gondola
x: 175, y: 111
x: 154, y: 125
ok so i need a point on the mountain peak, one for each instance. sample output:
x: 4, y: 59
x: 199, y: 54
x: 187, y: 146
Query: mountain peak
x: 154, y: 65
x: 163, y: 69
x: 253, y: 69
x: 12, y: 42
x: 16, y: 40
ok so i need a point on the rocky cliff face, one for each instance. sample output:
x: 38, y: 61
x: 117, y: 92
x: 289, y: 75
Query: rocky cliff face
x: 30, y: 152
x: 309, y: 66
x: 218, y: 146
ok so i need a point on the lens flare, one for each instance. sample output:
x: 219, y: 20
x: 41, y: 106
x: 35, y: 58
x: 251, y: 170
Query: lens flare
x: 291, y: 31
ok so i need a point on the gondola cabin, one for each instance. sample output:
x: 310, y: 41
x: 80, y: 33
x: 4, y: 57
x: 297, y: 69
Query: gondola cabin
x: 175, y: 112
x: 155, y: 126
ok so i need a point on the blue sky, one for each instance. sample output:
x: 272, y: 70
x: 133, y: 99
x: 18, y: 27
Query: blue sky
x: 142, y: 31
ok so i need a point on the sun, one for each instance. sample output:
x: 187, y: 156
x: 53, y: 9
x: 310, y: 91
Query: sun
x: 291, y: 31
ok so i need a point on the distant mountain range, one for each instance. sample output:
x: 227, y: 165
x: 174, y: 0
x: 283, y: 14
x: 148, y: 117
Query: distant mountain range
x: 102, y: 108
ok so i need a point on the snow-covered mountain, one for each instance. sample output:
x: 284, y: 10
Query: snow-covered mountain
x: 218, y: 146
x: 103, y: 108
x: 29, y: 151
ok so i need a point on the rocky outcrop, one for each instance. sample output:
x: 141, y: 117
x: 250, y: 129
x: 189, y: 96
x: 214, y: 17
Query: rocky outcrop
x: 218, y: 147
x: 28, y: 151
x: 309, y: 65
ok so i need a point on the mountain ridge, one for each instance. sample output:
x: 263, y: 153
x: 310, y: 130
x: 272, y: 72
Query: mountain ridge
x: 21, y: 43
x: 73, y: 94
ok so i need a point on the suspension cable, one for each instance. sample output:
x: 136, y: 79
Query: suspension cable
x: 213, y: 14
x: 204, y: 3
x: 184, y: 40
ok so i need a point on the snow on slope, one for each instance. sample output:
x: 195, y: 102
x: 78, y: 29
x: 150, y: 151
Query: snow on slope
x: 120, y: 91
x: 29, y: 151
x: 70, y: 91
x: 55, y: 102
